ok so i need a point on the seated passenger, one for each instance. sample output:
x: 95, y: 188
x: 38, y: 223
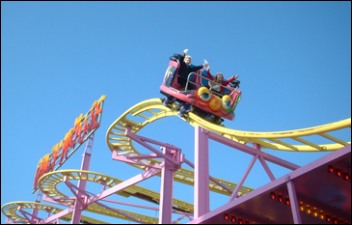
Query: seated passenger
x: 185, y: 68
x: 217, y: 83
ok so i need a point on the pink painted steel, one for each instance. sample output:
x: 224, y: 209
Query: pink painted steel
x: 80, y: 194
x: 35, y: 210
x: 249, y: 150
x: 58, y: 215
x: 142, y: 140
x: 24, y: 213
x: 266, y: 168
x: 201, y: 173
x: 118, y: 212
x: 272, y: 212
x: 79, y: 205
x: 127, y: 159
x: 293, y: 202
x: 130, y: 204
x: 238, y: 187
x: 127, y: 183
x: 172, y: 160
x: 211, y: 178
x: 51, y: 200
x: 264, y: 164
x: 166, y: 190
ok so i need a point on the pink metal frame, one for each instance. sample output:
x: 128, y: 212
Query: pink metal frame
x: 201, y: 151
x: 172, y: 158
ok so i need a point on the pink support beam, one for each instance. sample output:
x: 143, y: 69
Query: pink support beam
x: 24, y: 213
x: 130, y: 204
x: 62, y: 202
x: 166, y: 191
x: 211, y: 178
x: 293, y: 202
x: 78, y: 207
x: 266, y: 168
x: 35, y: 210
x: 249, y: 150
x: 10, y: 221
x: 172, y: 159
x: 78, y: 193
x: 264, y: 164
x: 234, y: 193
x: 127, y: 183
x: 126, y: 159
x: 58, y: 215
x: 142, y: 140
x: 296, y: 180
x: 119, y: 212
x: 201, y: 173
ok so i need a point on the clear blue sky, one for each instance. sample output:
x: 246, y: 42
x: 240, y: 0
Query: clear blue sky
x: 57, y: 58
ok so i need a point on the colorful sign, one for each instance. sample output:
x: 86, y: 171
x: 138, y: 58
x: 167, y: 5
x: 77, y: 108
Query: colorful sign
x: 84, y: 126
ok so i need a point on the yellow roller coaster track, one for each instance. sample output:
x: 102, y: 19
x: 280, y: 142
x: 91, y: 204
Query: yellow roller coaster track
x: 146, y: 112
x: 10, y: 209
x: 48, y: 185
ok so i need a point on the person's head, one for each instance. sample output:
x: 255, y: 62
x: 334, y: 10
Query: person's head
x: 187, y: 59
x: 219, y: 77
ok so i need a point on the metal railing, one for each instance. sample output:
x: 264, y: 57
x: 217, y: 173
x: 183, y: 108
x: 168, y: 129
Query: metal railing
x: 210, y: 84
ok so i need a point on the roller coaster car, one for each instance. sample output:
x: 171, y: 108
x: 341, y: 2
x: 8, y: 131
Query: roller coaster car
x: 204, y: 99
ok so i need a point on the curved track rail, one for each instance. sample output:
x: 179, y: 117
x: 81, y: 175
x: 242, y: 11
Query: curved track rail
x: 146, y: 112
x: 52, y: 179
x: 11, y: 208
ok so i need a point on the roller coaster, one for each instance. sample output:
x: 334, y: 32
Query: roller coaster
x: 316, y: 193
